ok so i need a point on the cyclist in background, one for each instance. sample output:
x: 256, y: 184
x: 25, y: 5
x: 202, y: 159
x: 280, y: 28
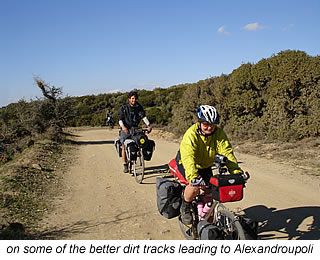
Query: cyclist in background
x: 200, y: 143
x: 130, y: 115
x: 109, y: 118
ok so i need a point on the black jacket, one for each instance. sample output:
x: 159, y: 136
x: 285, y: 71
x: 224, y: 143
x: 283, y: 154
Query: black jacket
x: 131, y: 116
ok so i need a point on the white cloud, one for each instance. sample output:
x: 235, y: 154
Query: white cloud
x: 147, y: 86
x: 222, y: 30
x: 114, y: 91
x: 98, y: 91
x: 253, y: 27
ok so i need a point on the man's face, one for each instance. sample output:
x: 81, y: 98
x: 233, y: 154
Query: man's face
x: 132, y: 101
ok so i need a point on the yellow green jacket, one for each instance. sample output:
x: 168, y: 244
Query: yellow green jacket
x: 198, y: 151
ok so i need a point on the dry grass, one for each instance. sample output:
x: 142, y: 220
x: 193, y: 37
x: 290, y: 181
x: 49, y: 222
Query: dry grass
x: 303, y: 154
x: 28, y: 184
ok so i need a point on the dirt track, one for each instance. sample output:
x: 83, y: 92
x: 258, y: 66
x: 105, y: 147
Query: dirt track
x: 99, y: 201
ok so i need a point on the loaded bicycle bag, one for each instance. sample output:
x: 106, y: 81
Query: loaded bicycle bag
x: 131, y: 149
x: 177, y: 169
x: 227, y: 188
x: 148, y: 150
x: 168, y: 197
x: 141, y: 139
x: 208, y: 231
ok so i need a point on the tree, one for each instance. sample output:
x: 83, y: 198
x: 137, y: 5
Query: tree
x: 53, y: 112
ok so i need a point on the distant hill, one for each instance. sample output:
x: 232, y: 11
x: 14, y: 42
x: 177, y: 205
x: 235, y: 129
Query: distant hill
x: 275, y: 99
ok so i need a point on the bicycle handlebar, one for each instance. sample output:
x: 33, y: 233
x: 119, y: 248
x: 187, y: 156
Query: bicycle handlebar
x: 220, y: 163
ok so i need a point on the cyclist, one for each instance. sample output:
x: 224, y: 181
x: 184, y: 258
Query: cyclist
x: 200, y: 143
x: 109, y: 117
x: 130, y: 115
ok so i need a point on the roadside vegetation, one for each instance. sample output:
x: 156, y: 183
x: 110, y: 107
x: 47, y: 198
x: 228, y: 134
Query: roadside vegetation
x: 31, y: 134
x: 271, y: 109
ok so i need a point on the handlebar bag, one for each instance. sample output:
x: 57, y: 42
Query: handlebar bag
x: 227, y: 188
x: 168, y: 197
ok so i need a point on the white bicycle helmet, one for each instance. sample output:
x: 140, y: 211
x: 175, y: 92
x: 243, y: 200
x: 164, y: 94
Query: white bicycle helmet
x: 208, y: 114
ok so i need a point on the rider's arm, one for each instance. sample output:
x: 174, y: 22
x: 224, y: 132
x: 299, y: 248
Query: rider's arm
x: 146, y: 121
x: 123, y: 127
x: 121, y: 115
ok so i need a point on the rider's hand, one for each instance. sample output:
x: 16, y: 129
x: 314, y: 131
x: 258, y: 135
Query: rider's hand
x: 198, y: 182
x: 149, y: 129
x: 125, y: 130
x: 245, y: 176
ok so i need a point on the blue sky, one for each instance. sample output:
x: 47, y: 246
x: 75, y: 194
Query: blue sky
x: 101, y: 46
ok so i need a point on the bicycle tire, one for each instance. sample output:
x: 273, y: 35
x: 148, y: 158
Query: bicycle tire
x: 138, y: 167
x: 188, y: 231
x: 230, y: 225
x: 130, y: 167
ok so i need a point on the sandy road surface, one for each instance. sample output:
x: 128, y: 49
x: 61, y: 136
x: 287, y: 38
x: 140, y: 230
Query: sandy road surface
x: 99, y: 201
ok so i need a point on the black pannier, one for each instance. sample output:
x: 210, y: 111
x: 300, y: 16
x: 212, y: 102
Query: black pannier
x: 208, y: 231
x: 141, y: 139
x: 168, y: 197
x: 148, y: 150
x: 131, y: 149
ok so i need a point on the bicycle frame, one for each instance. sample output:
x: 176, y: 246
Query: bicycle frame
x: 138, y: 163
x: 219, y: 215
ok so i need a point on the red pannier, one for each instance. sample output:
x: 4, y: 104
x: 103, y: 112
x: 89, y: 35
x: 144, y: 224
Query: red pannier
x: 227, y: 188
x: 176, y: 173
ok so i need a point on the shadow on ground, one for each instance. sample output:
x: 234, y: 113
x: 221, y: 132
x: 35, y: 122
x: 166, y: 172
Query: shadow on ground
x: 151, y: 173
x: 91, y: 142
x: 286, y: 223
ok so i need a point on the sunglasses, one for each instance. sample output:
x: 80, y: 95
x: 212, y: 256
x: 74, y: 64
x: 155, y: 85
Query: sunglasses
x: 208, y: 125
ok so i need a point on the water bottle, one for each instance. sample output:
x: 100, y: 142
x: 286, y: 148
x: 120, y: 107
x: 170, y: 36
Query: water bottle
x: 207, y: 208
x: 200, y: 210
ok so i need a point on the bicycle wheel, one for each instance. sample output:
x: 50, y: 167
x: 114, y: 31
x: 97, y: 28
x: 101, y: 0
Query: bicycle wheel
x: 190, y: 231
x: 138, y: 167
x: 130, y: 166
x: 230, y: 225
